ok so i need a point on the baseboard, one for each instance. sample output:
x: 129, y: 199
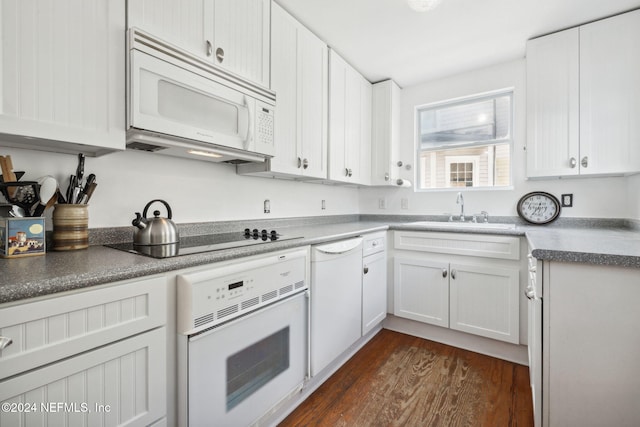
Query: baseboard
x: 490, y: 347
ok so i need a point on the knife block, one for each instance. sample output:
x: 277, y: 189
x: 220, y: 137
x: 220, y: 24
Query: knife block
x: 70, y: 227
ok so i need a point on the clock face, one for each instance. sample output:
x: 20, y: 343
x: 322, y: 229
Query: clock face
x: 538, y: 207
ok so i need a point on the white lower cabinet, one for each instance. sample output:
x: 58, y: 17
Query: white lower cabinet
x: 374, y: 281
x: 478, y: 295
x: 421, y: 290
x: 122, y: 384
x: 590, y: 345
x: 95, y: 357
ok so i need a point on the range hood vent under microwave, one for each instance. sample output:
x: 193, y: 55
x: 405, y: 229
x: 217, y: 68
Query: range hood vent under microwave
x: 182, y: 105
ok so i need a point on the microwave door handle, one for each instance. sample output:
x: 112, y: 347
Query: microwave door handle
x: 244, y: 125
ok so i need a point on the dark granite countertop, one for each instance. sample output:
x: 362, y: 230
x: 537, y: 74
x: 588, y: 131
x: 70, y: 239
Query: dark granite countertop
x: 605, y: 243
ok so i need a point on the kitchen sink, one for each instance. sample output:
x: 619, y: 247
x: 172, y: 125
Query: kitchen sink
x: 457, y: 224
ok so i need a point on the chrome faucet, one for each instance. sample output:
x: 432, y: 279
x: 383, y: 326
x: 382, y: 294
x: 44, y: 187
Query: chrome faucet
x: 460, y: 201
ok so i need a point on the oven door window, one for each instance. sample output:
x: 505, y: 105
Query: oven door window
x: 249, y: 369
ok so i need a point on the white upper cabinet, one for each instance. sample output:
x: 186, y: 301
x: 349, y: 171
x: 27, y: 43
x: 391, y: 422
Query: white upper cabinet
x: 181, y: 22
x: 583, y: 98
x: 232, y: 34
x: 385, y: 139
x: 62, y: 77
x: 239, y: 36
x: 299, y: 76
x: 610, y: 95
x: 553, y: 105
x: 349, y: 123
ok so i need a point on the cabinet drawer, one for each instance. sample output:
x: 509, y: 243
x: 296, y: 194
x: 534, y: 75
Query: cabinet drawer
x: 120, y: 384
x: 48, y: 330
x: 477, y: 245
x: 373, y: 243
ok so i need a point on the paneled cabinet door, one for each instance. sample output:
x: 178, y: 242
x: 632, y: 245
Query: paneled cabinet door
x: 374, y: 290
x: 62, y: 77
x: 610, y: 95
x: 180, y: 22
x: 385, y: 117
x: 238, y: 36
x: 553, y: 105
x: 421, y: 290
x: 349, y: 123
x: 121, y: 384
x: 299, y: 71
x: 484, y: 300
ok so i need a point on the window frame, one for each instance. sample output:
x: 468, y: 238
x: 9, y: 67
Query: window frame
x: 509, y: 91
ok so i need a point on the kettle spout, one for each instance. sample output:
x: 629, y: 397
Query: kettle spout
x: 139, y: 221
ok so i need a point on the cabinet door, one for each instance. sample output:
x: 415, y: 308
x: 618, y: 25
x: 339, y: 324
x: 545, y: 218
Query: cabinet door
x: 239, y: 35
x: 299, y: 73
x: 180, y: 22
x: 363, y: 175
x: 284, y: 73
x: 421, y: 290
x: 484, y: 301
x: 610, y: 95
x: 338, y: 82
x: 313, y: 95
x: 553, y: 105
x: 349, y: 123
x: 374, y: 290
x: 62, y: 77
x: 385, y: 116
x: 122, y: 384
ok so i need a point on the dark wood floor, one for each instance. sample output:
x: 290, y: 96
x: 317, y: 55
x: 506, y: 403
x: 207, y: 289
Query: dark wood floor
x: 400, y: 380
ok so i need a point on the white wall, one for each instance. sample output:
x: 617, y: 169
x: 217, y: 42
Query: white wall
x: 593, y: 197
x: 197, y: 191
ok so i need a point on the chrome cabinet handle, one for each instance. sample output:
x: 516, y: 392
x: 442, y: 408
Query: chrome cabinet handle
x: 453, y: 274
x: 220, y: 54
x: 573, y: 162
x: 348, y: 172
x: 444, y: 272
x: 366, y: 270
x: 387, y: 177
x: 585, y: 161
x: 5, y: 342
x: 305, y: 164
x: 299, y: 162
x: 209, y: 48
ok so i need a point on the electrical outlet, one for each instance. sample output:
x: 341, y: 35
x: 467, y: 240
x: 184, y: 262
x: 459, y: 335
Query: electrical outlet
x: 382, y: 203
x: 567, y: 200
x: 324, y: 205
x: 404, y: 203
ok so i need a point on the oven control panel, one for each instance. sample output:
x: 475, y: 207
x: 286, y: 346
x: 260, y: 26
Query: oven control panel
x: 213, y: 296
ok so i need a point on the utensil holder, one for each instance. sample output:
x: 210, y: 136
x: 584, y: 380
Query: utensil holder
x: 70, y: 227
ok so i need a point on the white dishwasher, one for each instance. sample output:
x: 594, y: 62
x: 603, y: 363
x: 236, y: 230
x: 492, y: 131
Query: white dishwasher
x: 336, y: 300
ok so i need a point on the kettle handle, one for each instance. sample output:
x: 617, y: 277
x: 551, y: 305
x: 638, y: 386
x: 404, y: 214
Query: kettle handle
x: 166, y: 205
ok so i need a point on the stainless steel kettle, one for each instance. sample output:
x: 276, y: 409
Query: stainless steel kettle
x: 157, y: 230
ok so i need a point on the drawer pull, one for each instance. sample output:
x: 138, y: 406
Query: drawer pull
x: 444, y: 272
x: 5, y: 342
x: 366, y: 270
x: 453, y: 274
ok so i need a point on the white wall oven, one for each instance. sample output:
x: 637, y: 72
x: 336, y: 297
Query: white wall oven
x: 244, y: 338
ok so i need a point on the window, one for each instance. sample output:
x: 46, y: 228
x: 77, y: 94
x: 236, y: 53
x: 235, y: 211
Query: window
x: 465, y: 143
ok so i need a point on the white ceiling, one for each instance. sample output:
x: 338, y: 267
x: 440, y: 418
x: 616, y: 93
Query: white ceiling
x: 385, y: 39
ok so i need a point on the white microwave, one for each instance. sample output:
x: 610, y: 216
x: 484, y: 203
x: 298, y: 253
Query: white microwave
x: 182, y: 105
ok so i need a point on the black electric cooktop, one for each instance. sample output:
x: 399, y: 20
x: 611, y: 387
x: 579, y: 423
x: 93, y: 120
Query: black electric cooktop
x: 205, y: 243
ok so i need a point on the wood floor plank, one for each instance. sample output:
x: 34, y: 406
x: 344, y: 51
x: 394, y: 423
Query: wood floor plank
x: 400, y: 380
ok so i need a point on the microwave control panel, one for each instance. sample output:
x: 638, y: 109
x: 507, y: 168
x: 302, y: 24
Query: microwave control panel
x: 264, y: 126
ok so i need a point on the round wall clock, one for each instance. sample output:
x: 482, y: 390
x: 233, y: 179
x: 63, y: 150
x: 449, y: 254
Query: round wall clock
x: 538, y: 207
